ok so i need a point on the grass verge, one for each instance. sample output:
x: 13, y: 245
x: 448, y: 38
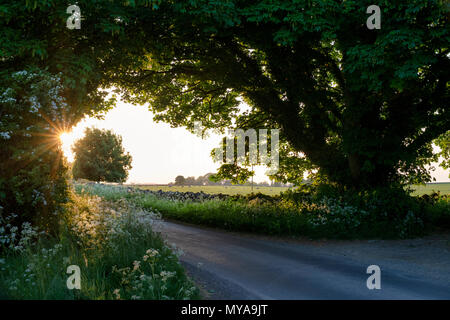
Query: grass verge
x: 378, y: 215
x: 225, y: 214
x: 113, y: 244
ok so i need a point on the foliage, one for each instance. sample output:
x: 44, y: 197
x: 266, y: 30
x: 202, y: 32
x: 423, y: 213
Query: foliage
x: 438, y: 211
x: 391, y: 211
x: 180, y: 180
x: 49, y: 80
x: 211, y: 179
x: 119, y: 255
x: 32, y: 168
x: 443, y: 142
x: 100, y: 156
x: 236, y: 174
x: 362, y: 106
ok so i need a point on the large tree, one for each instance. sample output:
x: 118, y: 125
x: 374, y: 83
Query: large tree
x: 362, y: 106
x: 100, y: 156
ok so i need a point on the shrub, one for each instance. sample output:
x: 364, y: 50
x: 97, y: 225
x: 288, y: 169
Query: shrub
x: 389, y: 212
x: 33, y: 183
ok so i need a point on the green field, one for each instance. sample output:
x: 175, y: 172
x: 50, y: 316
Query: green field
x: 443, y: 188
x: 231, y: 190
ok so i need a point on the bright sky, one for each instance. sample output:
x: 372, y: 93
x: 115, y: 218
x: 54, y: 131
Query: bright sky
x: 160, y: 152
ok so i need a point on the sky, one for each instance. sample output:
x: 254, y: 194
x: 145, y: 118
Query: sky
x: 160, y: 152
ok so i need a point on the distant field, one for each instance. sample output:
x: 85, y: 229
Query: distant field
x: 231, y: 190
x: 443, y: 188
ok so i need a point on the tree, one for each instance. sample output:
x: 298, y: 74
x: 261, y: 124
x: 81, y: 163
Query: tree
x: 180, y: 181
x: 361, y: 106
x: 100, y: 156
x: 190, y: 181
x: 443, y: 142
x: 206, y: 180
x: 236, y: 174
x: 33, y: 173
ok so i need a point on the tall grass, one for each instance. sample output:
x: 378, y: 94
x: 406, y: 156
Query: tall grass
x: 119, y: 255
x: 390, y: 214
x: 225, y: 214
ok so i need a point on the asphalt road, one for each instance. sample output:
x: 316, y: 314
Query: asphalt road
x: 235, y: 266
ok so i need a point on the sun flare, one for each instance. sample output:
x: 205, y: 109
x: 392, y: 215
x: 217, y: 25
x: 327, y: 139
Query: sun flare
x: 67, y: 140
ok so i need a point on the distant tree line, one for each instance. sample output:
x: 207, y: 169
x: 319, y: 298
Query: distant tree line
x: 206, y: 181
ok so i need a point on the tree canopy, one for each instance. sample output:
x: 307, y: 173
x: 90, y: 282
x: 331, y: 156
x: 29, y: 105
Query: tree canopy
x: 443, y: 142
x: 100, y: 156
x: 180, y: 180
x: 360, y: 107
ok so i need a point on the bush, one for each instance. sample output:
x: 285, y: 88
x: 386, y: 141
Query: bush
x: 437, y: 208
x: 389, y: 212
x: 33, y: 174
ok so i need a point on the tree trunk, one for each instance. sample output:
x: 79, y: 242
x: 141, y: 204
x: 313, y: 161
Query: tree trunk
x: 355, y: 168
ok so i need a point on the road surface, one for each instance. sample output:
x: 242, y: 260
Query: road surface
x: 239, y: 266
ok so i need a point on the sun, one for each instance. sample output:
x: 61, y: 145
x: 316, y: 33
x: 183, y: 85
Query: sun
x: 67, y: 140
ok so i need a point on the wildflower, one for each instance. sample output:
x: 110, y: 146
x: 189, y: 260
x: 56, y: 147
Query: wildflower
x: 165, y: 275
x: 151, y: 253
x: 116, y: 292
x: 136, y: 265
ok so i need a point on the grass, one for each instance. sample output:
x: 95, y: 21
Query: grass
x: 443, y: 188
x: 113, y: 244
x: 230, y: 190
x: 327, y: 218
x: 225, y: 214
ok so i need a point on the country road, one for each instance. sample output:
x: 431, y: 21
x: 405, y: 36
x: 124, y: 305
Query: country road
x: 239, y: 266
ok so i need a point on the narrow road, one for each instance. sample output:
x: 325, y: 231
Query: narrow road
x: 236, y: 266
